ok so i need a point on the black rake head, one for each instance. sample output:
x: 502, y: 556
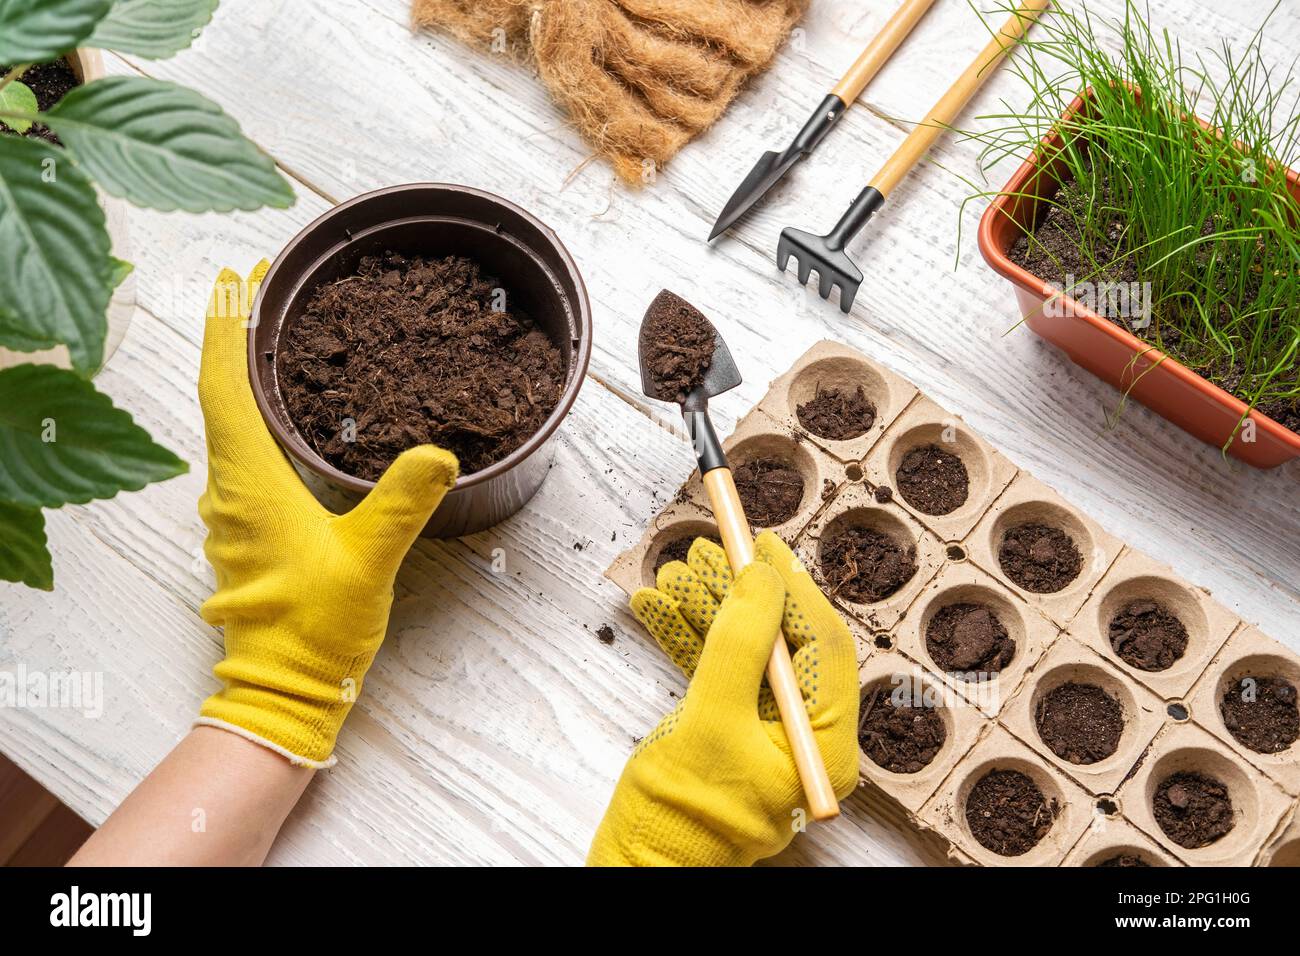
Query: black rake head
x: 818, y: 253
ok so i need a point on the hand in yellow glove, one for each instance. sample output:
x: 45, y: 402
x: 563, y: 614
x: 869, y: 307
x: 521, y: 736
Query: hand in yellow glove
x: 715, y: 783
x: 303, y: 594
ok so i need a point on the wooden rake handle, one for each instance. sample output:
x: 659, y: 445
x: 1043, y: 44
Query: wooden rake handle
x: 880, y: 49
x: 739, y: 545
x: 959, y: 94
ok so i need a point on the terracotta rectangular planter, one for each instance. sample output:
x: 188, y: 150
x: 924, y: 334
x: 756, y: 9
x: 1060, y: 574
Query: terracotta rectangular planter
x: 1108, y: 351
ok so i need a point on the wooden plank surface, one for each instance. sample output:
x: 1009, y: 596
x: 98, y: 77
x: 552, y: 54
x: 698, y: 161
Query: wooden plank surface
x: 494, y: 722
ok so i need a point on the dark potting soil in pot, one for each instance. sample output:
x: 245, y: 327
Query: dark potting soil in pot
x: 1039, y: 558
x: 678, y: 343
x: 1147, y: 635
x: 837, y: 414
x: 899, y: 735
x: 864, y: 565
x: 1123, y: 859
x: 678, y: 549
x: 1007, y: 813
x: 1260, y: 712
x: 413, y: 351
x: 932, y: 480
x: 969, y: 640
x: 50, y: 82
x: 1194, y: 809
x: 1080, y: 723
x: 770, y: 490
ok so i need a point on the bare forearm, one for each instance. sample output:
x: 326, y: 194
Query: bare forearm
x: 216, y: 800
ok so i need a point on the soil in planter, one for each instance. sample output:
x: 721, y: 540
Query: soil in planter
x: 678, y: 343
x: 837, y: 414
x: 413, y: 352
x: 1080, y: 723
x: 1260, y: 712
x: 1007, y: 813
x: 50, y: 82
x: 770, y: 490
x: 1039, y: 558
x: 1123, y: 859
x: 897, y: 735
x: 1147, y: 635
x: 679, y: 548
x: 1194, y: 809
x: 969, y: 640
x: 864, y: 565
x: 933, y: 481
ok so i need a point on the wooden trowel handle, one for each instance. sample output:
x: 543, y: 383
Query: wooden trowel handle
x: 739, y: 545
x: 880, y: 49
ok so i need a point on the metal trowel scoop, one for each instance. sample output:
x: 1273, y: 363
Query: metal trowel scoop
x: 673, y: 335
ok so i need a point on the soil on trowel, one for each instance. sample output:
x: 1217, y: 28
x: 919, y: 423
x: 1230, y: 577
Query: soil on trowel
x: 50, y: 82
x: 1080, y: 723
x: 1260, y: 712
x: 677, y: 344
x: 969, y: 640
x: 899, y: 735
x: 1147, y: 635
x: 770, y: 490
x: 1007, y: 813
x: 864, y: 565
x: 409, y: 351
x: 1123, y: 859
x: 679, y: 548
x: 1039, y: 558
x: 933, y: 481
x: 1194, y: 809
x: 837, y: 414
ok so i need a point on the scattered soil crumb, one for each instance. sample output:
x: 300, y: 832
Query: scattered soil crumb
x: 1007, y: 813
x: 1080, y: 723
x: 605, y: 634
x: 1194, y: 809
x: 883, y: 494
x: 836, y: 414
x: 677, y: 345
x: 1039, y: 558
x: 1147, y: 635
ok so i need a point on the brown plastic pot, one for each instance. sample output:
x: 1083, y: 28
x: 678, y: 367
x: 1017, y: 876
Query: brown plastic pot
x: 1108, y: 351
x: 428, y: 219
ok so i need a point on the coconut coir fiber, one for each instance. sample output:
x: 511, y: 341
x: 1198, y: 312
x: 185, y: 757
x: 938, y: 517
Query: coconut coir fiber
x: 411, y: 352
x: 639, y: 78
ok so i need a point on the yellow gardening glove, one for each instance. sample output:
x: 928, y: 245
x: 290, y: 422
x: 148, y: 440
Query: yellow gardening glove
x: 715, y: 783
x: 303, y: 594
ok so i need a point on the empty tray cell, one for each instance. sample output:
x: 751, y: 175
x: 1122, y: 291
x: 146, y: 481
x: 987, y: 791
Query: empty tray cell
x: 970, y: 630
x: 1247, y: 698
x: 939, y: 469
x: 669, y: 537
x: 912, y: 729
x: 1195, y: 797
x: 1084, y: 716
x: 871, y: 559
x: 1114, y: 842
x: 1284, y: 848
x: 1002, y: 806
x: 1153, y: 625
x: 1043, y: 549
x: 783, y: 480
x: 847, y: 401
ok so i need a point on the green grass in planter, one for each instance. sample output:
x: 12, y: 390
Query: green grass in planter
x: 1151, y: 196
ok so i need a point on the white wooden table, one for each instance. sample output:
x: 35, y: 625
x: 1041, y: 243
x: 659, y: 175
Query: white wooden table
x: 494, y: 723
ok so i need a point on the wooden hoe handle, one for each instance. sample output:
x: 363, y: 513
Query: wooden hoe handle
x: 739, y: 545
x: 959, y: 94
x: 880, y: 49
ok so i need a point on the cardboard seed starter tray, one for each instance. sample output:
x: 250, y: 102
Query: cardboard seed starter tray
x: 1174, y: 703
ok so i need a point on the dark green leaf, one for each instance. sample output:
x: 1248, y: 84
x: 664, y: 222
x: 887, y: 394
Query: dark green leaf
x: 54, y: 253
x: 35, y: 30
x: 62, y: 442
x: 155, y: 29
x: 163, y: 146
x: 23, y: 555
x: 18, y: 96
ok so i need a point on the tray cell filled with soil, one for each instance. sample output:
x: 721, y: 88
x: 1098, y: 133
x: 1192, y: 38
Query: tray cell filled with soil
x: 872, y: 559
x: 1002, y: 806
x: 937, y: 468
x: 1195, y: 797
x: 1046, y: 551
x: 975, y: 635
x: 1152, y: 625
x: 781, y: 479
x: 1117, y: 844
x: 1084, y: 717
x: 1247, y: 698
x: 838, y: 399
x: 669, y: 538
x: 912, y: 730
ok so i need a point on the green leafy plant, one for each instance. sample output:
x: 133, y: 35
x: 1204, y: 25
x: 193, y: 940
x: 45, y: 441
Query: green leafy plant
x: 152, y: 143
x: 1201, y: 212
